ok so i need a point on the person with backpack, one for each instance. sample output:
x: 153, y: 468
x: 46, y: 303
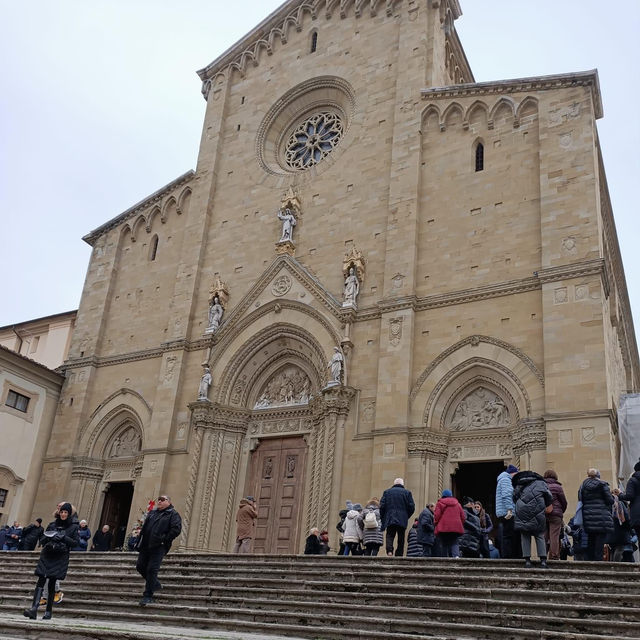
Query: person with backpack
x: 372, y: 533
x: 353, y: 531
x: 580, y: 538
x: 449, y: 519
x: 59, y: 538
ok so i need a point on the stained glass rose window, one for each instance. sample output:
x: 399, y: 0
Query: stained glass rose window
x: 313, y: 139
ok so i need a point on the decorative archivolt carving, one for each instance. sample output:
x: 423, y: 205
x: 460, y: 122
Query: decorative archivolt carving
x: 474, y: 341
x: 289, y: 386
x: 479, y: 409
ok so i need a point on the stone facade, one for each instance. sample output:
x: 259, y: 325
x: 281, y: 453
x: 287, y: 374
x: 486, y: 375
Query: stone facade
x: 491, y: 324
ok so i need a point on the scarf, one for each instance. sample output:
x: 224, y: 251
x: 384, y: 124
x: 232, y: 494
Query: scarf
x: 618, y: 511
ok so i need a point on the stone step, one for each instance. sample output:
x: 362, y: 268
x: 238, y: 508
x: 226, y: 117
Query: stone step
x: 427, y: 623
x: 339, y: 601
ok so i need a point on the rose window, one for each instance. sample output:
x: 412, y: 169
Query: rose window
x: 313, y: 140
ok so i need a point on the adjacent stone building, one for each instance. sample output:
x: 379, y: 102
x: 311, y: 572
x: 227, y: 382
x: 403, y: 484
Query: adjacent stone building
x: 378, y: 268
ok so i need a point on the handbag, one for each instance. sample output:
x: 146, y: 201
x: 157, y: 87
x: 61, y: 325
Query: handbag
x: 577, y: 519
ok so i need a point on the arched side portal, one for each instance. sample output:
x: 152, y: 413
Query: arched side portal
x: 274, y: 431
x: 479, y: 402
x: 109, y: 451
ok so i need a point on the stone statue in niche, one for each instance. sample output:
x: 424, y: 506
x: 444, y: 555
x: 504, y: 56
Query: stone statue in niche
x: 336, y: 366
x: 291, y: 466
x: 288, y: 387
x: 215, y: 315
x: 480, y: 409
x: 205, y: 383
x: 351, y: 287
x: 126, y: 444
x: 288, y: 222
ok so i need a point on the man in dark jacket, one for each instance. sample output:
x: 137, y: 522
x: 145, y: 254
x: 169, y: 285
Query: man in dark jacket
x: 102, y: 539
x: 531, y: 497
x: 30, y: 536
x: 597, y: 518
x: 396, y: 507
x: 161, y: 527
x: 632, y: 496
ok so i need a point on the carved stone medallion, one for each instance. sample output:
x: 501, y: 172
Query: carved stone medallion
x: 281, y: 285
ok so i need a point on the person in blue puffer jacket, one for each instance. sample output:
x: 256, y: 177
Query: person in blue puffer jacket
x: 508, y: 539
x: 84, y: 535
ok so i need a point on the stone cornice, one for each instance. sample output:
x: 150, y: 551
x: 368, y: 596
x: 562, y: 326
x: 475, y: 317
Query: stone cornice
x: 260, y: 40
x: 156, y: 196
x: 522, y: 85
x: 572, y: 270
x: 578, y: 415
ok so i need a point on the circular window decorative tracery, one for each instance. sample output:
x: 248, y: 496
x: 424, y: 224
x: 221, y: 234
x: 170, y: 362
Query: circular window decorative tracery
x: 313, y: 139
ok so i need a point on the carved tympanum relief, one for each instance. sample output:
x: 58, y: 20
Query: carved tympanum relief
x: 480, y: 409
x: 126, y: 444
x: 289, y: 386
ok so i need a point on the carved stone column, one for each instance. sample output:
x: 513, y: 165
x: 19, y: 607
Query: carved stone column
x: 217, y: 442
x: 433, y: 447
x: 530, y: 444
x: 326, y: 444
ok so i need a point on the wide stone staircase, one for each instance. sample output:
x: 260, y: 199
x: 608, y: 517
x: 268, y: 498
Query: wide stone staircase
x: 327, y: 597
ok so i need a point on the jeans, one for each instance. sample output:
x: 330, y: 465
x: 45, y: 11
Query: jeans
x: 392, y: 531
x: 427, y: 550
x: 449, y: 545
x: 242, y: 546
x: 149, y: 561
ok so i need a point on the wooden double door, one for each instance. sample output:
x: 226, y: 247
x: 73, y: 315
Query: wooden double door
x: 277, y: 483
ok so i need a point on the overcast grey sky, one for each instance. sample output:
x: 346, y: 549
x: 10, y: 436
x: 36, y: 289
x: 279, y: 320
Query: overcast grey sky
x: 100, y: 106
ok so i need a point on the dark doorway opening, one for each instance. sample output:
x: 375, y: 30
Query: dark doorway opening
x: 477, y: 480
x: 115, y: 511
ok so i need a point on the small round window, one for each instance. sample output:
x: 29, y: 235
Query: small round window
x: 313, y: 139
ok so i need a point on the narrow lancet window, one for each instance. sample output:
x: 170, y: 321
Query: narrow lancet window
x: 314, y: 42
x: 479, y: 156
x: 153, y: 248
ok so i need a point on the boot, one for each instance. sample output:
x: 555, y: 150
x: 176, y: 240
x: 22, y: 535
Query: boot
x: 543, y: 562
x: 50, y: 599
x: 33, y: 612
x: 527, y: 563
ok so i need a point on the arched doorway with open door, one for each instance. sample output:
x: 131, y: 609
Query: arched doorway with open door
x: 477, y: 480
x: 115, y: 511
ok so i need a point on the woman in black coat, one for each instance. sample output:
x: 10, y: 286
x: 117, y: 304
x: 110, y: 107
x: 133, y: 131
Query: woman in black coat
x: 632, y: 496
x: 57, y: 541
x: 597, y: 518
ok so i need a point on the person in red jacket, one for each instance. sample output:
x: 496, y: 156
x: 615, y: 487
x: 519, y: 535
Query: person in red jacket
x: 449, y: 517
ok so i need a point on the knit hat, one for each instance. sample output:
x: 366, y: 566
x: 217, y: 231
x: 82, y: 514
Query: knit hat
x: 399, y: 481
x: 66, y: 507
x: 357, y: 507
x: 39, y: 520
x: 512, y: 468
x: 250, y: 499
x: 637, y: 467
x: 446, y: 493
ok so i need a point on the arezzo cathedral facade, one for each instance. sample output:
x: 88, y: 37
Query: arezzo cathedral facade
x: 378, y: 268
